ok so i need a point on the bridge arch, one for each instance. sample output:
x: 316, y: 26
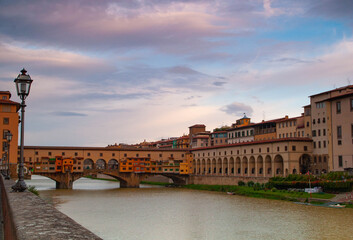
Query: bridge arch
x: 88, y: 164
x: 101, y: 164
x: 113, y: 164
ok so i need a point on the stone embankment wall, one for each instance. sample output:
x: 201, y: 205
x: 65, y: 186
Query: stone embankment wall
x: 27, y: 217
x: 223, y: 180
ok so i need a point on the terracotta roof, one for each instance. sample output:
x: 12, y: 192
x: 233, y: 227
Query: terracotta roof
x: 242, y: 127
x: 184, y: 137
x: 6, y: 92
x: 333, y: 90
x: 256, y: 142
x: 198, y: 125
x: 101, y: 148
x: 3, y: 101
x: 288, y: 119
x: 341, y: 96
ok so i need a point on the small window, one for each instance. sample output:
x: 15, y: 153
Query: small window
x: 338, y: 107
x: 36, y: 153
x: 318, y: 120
x: 285, y: 148
x: 294, y: 148
x: 339, y: 132
x: 49, y: 153
x: 340, y: 161
x: 63, y: 153
x: 160, y: 155
x: 125, y: 155
x: 6, y: 121
x: 323, y: 120
x: 149, y: 155
x: 101, y: 154
x: 88, y: 154
x: 76, y: 154
x: 305, y: 148
x: 268, y: 149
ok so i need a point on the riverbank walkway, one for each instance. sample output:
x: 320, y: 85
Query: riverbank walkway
x: 27, y: 217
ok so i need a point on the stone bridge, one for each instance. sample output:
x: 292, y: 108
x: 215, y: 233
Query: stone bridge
x: 126, y: 179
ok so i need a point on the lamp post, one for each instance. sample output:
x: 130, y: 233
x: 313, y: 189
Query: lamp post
x: 8, y: 138
x: 23, y: 86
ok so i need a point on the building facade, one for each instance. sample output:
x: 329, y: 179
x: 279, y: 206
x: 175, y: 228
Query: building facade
x: 9, y: 120
x: 332, y: 128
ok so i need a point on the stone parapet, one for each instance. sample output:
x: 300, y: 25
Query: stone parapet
x: 27, y: 217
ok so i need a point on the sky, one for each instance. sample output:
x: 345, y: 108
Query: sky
x: 107, y: 72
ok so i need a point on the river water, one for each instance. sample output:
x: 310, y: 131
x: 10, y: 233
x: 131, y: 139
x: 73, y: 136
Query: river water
x: 152, y: 212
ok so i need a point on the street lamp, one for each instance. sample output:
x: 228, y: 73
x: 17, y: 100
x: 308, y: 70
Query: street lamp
x: 8, y: 138
x: 23, y: 85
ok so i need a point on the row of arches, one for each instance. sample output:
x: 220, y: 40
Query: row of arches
x: 254, y: 167
x: 100, y: 164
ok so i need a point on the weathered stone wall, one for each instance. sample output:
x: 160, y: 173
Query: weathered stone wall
x: 28, y: 217
x: 224, y: 180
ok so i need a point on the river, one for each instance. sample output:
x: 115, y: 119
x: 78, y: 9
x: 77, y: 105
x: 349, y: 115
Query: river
x: 152, y: 212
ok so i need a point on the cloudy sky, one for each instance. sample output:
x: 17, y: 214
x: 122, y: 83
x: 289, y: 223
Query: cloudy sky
x: 123, y: 71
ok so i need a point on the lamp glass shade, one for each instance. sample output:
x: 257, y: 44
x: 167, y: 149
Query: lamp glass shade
x: 23, y: 84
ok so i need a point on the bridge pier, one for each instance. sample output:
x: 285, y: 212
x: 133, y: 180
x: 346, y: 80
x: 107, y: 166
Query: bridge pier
x: 131, y: 180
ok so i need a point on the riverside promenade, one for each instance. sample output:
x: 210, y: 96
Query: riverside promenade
x: 26, y: 216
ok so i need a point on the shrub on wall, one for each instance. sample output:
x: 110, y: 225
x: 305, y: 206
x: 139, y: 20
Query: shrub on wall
x: 241, y: 183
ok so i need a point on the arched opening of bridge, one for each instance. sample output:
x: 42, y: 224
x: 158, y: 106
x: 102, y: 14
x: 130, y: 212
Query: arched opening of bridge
x: 113, y: 164
x: 88, y: 164
x: 100, y: 164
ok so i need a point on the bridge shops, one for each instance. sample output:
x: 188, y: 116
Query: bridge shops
x: 255, y: 161
x: 130, y: 166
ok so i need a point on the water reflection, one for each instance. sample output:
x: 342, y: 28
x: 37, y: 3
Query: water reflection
x: 163, y: 213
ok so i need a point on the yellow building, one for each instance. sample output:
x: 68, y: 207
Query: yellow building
x: 9, y: 123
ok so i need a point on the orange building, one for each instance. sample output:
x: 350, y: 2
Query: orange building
x: 9, y: 120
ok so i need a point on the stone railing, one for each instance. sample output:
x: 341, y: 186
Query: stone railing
x: 26, y: 217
